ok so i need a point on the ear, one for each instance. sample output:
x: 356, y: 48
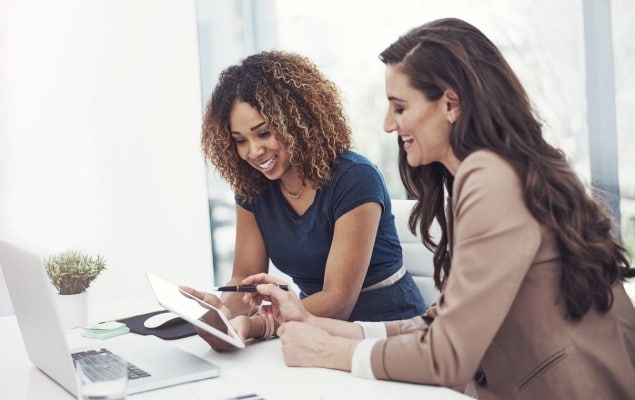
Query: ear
x: 453, y: 105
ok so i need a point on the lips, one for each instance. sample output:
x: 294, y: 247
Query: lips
x: 267, y: 164
x: 407, y: 141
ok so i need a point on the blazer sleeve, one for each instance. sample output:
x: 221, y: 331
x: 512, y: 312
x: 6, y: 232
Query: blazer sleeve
x: 495, y: 242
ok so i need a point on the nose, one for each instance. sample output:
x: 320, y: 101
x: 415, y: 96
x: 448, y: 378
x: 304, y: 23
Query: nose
x: 389, y: 123
x: 256, y: 149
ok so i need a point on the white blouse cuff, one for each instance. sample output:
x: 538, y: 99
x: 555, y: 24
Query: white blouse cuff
x: 360, y: 364
x: 373, y: 330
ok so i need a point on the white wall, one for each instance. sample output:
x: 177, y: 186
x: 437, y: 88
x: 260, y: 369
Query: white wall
x: 100, y: 120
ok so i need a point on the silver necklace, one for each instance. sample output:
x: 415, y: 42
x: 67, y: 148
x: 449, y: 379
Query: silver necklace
x: 291, y: 195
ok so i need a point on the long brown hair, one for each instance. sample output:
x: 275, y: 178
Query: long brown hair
x: 496, y: 114
x: 302, y: 108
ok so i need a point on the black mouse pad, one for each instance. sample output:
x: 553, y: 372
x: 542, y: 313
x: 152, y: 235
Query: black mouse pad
x: 175, y: 330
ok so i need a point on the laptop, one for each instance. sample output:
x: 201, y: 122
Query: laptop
x: 45, y: 340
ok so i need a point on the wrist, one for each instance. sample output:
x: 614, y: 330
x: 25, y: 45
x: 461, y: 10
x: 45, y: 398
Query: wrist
x: 225, y: 310
x: 257, y: 326
x: 311, y: 319
x: 262, y: 326
x: 341, y: 354
x: 371, y: 330
x: 270, y: 326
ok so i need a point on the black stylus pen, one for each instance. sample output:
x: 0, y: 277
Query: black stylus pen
x: 245, y: 288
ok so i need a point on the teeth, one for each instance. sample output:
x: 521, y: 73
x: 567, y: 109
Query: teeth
x: 268, y: 163
x: 407, y: 138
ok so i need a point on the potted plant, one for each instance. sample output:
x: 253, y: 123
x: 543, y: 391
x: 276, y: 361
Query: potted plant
x: 71, y: 273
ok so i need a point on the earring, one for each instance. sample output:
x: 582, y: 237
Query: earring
x: 451, y: 117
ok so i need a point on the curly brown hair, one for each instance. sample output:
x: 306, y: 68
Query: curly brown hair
x: 301, y: 107
x: 496, y: 114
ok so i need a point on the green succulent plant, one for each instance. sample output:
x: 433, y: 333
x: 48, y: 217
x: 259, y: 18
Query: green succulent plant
x: 71, y: 272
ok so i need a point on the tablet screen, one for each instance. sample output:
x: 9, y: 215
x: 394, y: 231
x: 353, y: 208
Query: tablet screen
x: 191, y: 309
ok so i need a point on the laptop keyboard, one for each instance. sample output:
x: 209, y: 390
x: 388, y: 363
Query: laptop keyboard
x: 101, y: 362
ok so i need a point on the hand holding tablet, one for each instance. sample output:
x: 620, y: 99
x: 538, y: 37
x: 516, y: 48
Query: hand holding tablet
x: 192, y: 309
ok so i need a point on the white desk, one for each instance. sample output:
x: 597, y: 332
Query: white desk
x: 259, y: 368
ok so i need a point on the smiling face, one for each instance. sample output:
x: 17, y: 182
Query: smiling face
x: 423, y: 125
x: 256, y: 143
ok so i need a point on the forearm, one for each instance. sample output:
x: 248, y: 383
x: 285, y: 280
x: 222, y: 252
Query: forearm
x: 365, y: 330
x: 337, y: 327
x: 329, y: 305
x: 306, y: 345
x: 259, y: 327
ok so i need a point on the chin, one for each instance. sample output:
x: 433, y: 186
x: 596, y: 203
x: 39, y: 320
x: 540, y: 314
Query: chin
x: 412, y: 161
x: 275, y: 174
x: 272, y: 176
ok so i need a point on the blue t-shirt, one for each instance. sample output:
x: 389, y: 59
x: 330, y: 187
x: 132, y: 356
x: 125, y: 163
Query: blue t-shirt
x: 299, y: 245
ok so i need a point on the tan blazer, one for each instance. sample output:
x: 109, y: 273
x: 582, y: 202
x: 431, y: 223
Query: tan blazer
x: 499, y: 321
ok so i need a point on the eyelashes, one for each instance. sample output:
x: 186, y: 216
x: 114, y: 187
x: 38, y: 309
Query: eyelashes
x: 260, y: 135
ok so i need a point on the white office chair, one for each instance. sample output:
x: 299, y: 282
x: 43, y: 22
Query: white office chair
x: 416, y: 257
x: 6, y: 308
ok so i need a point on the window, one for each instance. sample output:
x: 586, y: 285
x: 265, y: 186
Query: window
x: 623, y: 17
x: 345, y: 39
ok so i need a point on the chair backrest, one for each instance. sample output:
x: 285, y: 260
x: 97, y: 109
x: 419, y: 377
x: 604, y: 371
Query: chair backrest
x: 416, y: 257
x: 6, y: 308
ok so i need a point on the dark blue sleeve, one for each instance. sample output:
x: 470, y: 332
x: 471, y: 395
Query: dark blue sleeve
x: 360, y: 183
x: 241, y: 201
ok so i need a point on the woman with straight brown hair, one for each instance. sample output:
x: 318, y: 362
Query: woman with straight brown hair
x: 532, y: 304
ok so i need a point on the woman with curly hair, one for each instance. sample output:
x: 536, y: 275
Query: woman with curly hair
x: 274, y: 129
x: 532, y: 304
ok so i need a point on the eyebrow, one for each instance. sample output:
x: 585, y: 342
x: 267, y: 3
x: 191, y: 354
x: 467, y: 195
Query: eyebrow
x: 393, y: 98
x: 253, y: 128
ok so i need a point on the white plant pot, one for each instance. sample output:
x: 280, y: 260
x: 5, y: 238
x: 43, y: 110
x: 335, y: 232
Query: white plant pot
x: 73, y: 310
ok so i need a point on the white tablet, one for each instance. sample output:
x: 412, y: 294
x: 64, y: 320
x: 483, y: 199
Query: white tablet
x: 191, y: 309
